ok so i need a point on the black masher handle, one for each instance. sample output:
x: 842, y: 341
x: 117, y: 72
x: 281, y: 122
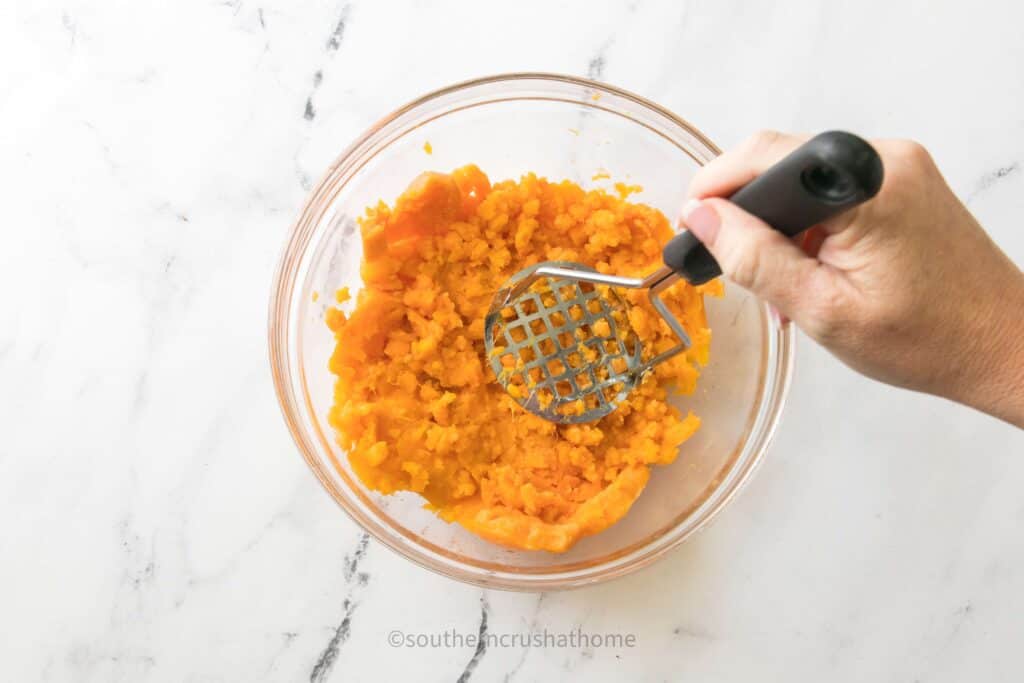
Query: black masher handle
x: 827, y: 175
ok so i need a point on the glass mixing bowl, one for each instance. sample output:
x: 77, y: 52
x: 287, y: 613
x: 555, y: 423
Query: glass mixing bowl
x: 559, y: 127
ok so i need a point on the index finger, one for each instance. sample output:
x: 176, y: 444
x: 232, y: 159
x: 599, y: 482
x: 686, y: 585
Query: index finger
x: 736, y: 167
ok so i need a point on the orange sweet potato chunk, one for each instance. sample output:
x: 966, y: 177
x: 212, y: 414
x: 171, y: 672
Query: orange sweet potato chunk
x: 416, y: 405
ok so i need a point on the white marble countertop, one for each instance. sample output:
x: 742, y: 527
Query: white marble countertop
x: 157, y: 523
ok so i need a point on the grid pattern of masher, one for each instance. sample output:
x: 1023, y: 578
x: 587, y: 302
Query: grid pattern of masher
x: 548, y: 327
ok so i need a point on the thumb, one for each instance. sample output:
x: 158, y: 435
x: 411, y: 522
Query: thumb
x: 753, y: 254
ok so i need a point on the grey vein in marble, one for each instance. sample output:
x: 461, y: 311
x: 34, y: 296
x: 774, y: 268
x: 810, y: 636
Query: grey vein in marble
x: 352, y: 575
x: 332, y: 45
x: 991, y: 179
x: 481, y: 643
x: 334, y: 42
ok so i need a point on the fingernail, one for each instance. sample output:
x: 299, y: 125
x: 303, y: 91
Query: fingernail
x: 701, y: 219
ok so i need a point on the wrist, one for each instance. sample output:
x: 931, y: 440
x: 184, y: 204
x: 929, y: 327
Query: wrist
x: 995, y: 384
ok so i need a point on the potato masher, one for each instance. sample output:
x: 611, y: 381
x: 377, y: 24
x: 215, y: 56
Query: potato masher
x: 557, y: 334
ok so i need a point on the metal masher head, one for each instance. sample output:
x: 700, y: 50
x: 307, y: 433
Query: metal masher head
x: 558, y: 338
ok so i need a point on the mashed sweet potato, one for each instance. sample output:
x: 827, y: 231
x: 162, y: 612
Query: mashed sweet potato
x: 416, y: 405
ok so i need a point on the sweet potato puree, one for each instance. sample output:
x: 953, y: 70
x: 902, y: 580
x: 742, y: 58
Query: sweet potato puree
x: 416, y: 405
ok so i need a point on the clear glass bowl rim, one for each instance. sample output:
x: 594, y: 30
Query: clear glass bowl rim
x: 281, y: 346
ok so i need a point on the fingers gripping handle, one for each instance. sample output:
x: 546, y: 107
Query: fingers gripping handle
x: 825, y: 176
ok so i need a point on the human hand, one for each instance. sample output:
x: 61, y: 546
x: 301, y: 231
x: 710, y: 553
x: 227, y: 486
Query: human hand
x: 906, y: 288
